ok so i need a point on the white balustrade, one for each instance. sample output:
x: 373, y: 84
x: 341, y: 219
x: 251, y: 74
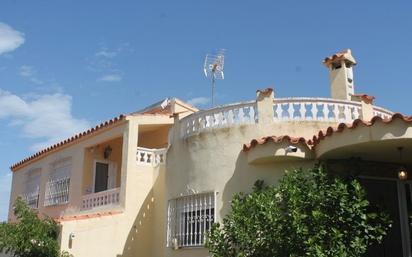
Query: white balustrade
x: 104, y: 198
x: 284, y: 109
x: 381, y: 112
x: 152, y: 157
x: 320, y: 109
x: 223, y: 116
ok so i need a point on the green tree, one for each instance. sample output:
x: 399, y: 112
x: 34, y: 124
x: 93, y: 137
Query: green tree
x: 29, y: 236
x: 307, y: 214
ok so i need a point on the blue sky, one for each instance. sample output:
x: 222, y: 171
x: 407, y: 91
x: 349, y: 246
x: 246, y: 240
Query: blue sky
x: 67, y: 65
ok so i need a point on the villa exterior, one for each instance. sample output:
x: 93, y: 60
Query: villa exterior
x: 151, y: 183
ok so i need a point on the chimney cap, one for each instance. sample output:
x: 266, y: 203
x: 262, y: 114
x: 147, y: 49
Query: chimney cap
x: 345, y: 55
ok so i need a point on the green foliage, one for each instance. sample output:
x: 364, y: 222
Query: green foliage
x: 29, y: 236
x: 306, y: 214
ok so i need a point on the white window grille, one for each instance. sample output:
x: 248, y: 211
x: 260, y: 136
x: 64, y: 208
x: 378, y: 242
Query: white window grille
x: 32, y: 199
x: 190, y: 219
x: 57, y: 188
x: 32, y: 188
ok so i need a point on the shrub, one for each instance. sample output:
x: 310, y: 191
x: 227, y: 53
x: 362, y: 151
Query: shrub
x: 307, y: 214
x: 29, y: 236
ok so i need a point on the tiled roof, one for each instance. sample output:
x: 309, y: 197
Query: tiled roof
x: 275, y: 139
x: 365, y: 97
x: 87, y: 216
x: 69, y: 140
x: 341, y: 127
x: 342, y: 55
x: 265, y: 91
x: 324, y: 133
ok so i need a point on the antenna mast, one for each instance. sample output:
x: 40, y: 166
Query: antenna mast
x: 213, y: 69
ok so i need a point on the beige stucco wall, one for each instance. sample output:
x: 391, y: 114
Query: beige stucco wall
x: 213, y: 161
x: 130, y: 233
x: 76, y: 153
x: 156, y: 138
x: 378, y: 142
x: 209, y: 161
x: 95, y: 153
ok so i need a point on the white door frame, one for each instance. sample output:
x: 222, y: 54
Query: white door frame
x: 110, y: 164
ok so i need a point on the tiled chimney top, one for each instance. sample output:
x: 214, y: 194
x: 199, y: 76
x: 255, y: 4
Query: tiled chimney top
x: 345, y: 55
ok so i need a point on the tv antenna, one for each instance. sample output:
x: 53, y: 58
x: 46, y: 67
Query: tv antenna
x: 213, y: 69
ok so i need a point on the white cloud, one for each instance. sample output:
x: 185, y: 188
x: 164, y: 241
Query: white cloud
x: 30, y: 73
x: 26, y: 71
x: 199, y: 101
x: 110, y: 78
x: 10, y: 39
x: 104, y: 52
x: 105, y: 62
x: 45, y: 117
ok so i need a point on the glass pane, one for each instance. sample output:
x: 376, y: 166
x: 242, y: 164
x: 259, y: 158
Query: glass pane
x: 102, y: 175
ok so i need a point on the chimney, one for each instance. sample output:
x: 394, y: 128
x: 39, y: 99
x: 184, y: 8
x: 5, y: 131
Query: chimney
x: 341, y: 75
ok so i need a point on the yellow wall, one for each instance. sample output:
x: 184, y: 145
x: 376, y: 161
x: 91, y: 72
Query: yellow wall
x: 209, y: 161
x: 76, y: 152
x: 155, y: 138
x: 96, y: 153
x: 130, y: 233
x: 214, y: 161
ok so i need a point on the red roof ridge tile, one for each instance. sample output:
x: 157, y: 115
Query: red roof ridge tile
x: 68, y: 140
x: 365, y: 97
x: 322, y: 134
x: 274, y: 139
x: 341, y: 55
x: 265, y: 91
x: 87, y: 216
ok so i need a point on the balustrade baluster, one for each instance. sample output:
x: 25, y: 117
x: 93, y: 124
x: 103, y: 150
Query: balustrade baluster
x: 291, y: 111
x: 302, y: 111
x: 356, y: 113
x: 314, y: 111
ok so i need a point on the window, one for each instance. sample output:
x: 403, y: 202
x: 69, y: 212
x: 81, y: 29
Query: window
x: 57, y: 187
x: 105, y: 173
x: 189, y: 219
x: 32, y: 186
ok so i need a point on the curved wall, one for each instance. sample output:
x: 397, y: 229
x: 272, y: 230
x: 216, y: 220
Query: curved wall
x: 214, y: 161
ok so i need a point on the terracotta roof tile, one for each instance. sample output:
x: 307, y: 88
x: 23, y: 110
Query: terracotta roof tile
x: 341, y: 127
x: 265, y: 91
x: 68, y: 140
x: 87, y: 216
x: 342, y: 55
x: 365, y: 97
x: 275, y: 139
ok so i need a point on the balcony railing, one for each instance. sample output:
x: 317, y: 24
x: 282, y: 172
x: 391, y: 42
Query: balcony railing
x: 320, y: 109
x: 105, y: 198
x: 223, y: 116
x: 150, y: 157
x: 284, y: 109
